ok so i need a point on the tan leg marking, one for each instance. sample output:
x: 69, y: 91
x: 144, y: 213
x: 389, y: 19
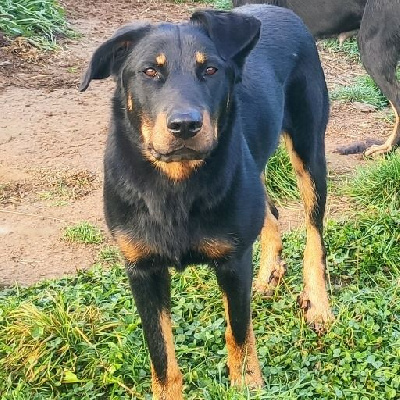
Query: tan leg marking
x: 215, y: 248
x: 314, y: 298
x: 392, y: 140
x: 272, y: 267
x: 171, y: 389
x: 243, y: 364
x: 132, y: 250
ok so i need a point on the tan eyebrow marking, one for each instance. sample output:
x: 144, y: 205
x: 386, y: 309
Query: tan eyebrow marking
x: 200, y: 57
x: 161, y: 59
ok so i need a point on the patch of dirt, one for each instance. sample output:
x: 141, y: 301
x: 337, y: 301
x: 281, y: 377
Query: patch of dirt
x: 52, y: 139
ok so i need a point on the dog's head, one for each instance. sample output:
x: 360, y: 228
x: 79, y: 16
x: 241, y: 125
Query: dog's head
x: 176, y: 82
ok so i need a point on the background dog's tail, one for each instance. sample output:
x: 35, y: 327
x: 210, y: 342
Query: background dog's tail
x: 358, y: 147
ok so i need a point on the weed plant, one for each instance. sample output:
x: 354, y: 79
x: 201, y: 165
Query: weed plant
x: 83, y: 232
x: 378, y: 184
x: 349, y: 48
x: 41, y: 21
x: 364, y: 90
x: 280, y: 178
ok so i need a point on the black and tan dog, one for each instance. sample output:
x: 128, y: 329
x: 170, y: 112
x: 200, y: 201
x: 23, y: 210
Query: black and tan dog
x: 378, y: 41
x: 198, y: 109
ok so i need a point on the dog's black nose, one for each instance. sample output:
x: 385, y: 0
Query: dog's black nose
x: 185, y: 125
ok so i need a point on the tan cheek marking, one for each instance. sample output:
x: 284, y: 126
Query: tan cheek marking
x: 215, y: 248
x: 132, y: 250
x: 201, y: 58
x: 171, y: 388
x: 147, y: 131
x: 243, y: 364
x: 156, y: 134
x: 161, y: 60
x: 129, y: 102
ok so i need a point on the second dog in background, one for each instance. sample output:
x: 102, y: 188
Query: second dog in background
x: 378, y: 41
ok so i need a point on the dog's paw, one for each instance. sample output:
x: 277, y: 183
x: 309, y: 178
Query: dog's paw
x: 317, y: 312
x: 252, y: 379
x: 266, y: 285
x: 377, y: 150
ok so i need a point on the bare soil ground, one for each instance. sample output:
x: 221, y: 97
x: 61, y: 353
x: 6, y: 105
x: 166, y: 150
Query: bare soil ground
x: 52, y: 140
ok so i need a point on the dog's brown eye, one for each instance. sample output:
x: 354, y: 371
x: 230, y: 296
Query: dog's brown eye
x: 211, y: 70
x: 151, y: 72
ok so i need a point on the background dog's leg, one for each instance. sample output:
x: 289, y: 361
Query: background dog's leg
x: 151, y: 291
x: 393, y: 140
x: 380, y: 53
x: 312, y: 184
x: 346, y: 35
x: 235, y: 279
x: 272, y: 267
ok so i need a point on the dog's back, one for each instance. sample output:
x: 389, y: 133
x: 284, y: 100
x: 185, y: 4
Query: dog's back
x: 284, y: 54
x: 322, y: 17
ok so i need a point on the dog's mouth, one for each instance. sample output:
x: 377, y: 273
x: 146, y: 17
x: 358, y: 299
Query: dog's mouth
x: 181, y: 154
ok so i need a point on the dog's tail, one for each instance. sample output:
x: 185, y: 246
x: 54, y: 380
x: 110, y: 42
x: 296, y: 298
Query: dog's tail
x: 358, y: 147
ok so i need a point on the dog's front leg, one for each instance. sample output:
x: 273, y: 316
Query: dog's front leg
x: 235, y: 279
x: 151, y: 290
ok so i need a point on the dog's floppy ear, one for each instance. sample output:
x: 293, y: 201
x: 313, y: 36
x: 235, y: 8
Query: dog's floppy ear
x: 108, y: 58
x: 234, y: 34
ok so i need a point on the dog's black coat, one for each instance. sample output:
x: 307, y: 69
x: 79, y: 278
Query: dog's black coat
x: 323, y: 18
x: 267, y: 82
x: 378, y: 39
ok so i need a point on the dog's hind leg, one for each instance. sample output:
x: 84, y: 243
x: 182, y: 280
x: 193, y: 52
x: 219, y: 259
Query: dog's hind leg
x: 310, y: 171
x: 272, y: 267
x: 235, y: 279
x: 380, y: 53
x: 151, y: 291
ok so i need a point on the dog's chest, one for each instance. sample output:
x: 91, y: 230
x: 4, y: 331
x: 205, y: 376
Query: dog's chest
x: 173, y: 232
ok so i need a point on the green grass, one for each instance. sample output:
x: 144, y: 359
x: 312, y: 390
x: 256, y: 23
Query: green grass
x: 83, y: 232
x: 363, y: 90
x: 81, y: 337
x: 223, y: 4
x: 110, y: 254
x: 349, y: 48
x: 378, y: 185
x: 41, y: 21
x: 280, y: 178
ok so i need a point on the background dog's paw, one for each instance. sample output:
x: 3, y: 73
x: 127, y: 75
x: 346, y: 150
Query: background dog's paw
x: 377, y: 150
